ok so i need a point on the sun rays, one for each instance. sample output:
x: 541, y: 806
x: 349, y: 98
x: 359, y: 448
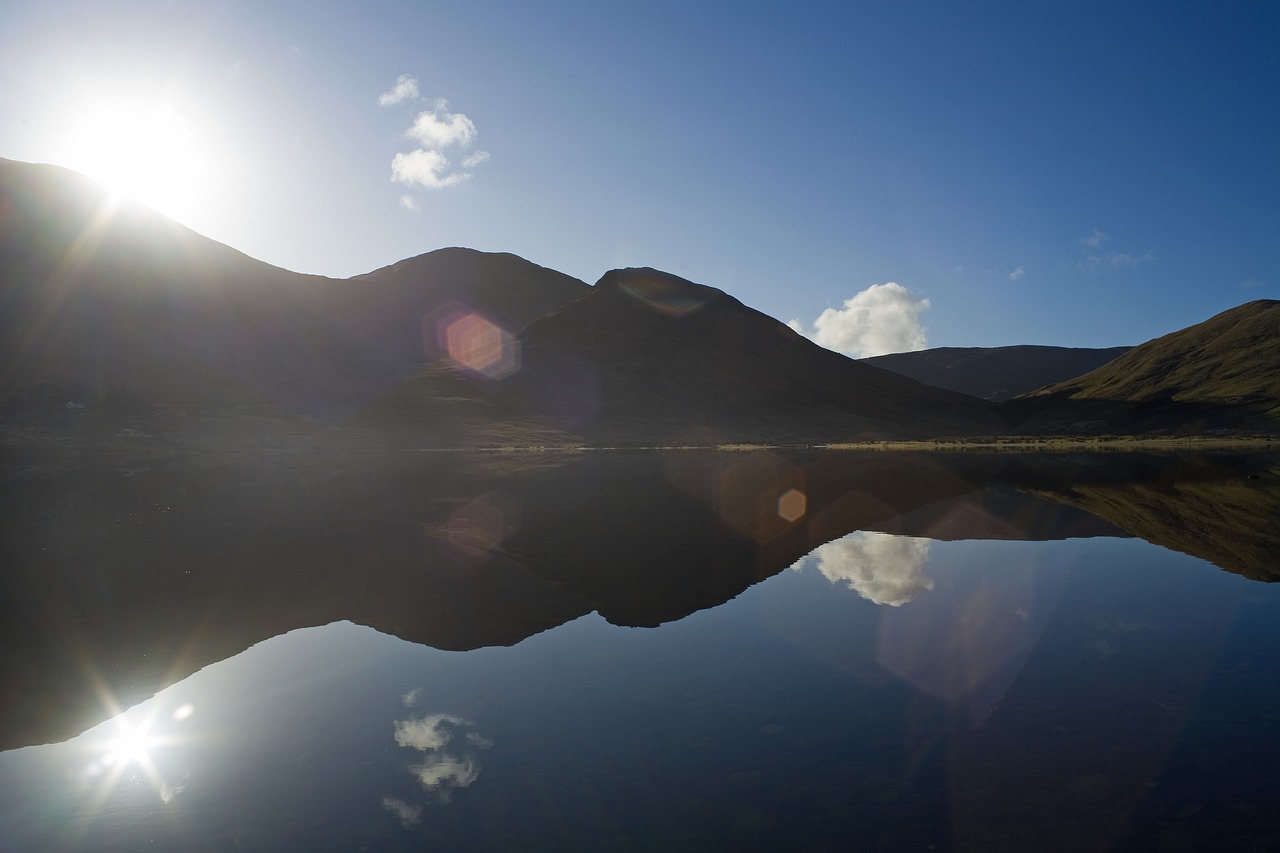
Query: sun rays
x: 150, y: 151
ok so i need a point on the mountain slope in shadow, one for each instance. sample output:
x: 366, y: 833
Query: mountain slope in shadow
x: 995, y: 373
x: 648, y: 358
x: 116, y: 308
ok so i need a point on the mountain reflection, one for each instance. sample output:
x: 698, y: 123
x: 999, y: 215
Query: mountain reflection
x: 125, y: 574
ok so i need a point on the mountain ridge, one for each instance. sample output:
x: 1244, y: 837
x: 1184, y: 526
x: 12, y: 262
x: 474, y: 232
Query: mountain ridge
x: 996, y: 373
x: 140, y: 323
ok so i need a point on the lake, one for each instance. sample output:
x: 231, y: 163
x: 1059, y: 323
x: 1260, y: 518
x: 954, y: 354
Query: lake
x: 642, y: 651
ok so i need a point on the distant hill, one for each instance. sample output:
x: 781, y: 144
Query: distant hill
x: 650, y: 357
x: 995, y: 373
x: 1222, y: 374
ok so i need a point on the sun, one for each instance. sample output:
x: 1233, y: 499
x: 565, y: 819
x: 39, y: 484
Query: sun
x: 148, y: 151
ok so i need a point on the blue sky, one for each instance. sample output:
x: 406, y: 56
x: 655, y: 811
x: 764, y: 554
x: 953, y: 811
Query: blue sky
x: 1086, y: 174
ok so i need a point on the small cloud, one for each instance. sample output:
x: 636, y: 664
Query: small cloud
x: 426, y: 169
x: 409, y: 815
x: 408, y: 202
x: 428, y: 733
x: 1018, y: 274
x: 1251, y: 283
x: 438, y: 128
x: 1094, y: 240
x: 411, y: 698
x: 882, y: 568
x: 405, y: 88
x: 169, y: 792
x: 1115, y: 261
x: 439, y: 773
x: 479, y: 741
x: 796, y: 326
x: 440, y: 770
x: 884, y: 318
x: 433, y: 131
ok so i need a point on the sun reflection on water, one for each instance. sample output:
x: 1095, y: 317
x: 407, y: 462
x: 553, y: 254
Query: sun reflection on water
x: 130, y: 750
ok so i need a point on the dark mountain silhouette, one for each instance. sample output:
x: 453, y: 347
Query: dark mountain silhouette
x: 115, y: 322
x: 647, y: 357
x: 139, y: 318
x: 117, y: 307
x: 995, y: 373
x: 1222, y: 374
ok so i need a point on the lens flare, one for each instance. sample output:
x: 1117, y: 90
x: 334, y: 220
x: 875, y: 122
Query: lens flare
x: 470, y: 340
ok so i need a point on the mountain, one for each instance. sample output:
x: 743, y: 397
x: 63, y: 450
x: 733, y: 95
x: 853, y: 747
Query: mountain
x: 112, y: 306
x: 995, y: 373
x: 120, y: 326
x: 1219, y: 375
x: 118, y: 322
x: 648, y: 357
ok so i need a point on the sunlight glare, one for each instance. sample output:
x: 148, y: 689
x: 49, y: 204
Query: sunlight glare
x: 147, y: 152
x: 132, y: 745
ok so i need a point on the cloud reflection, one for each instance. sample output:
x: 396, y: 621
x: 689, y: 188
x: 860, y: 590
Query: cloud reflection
x: 880, y: 567
x: 409, y: 815
x: 449, y: 758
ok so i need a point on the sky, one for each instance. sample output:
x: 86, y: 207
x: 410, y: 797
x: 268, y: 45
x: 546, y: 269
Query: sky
x: 883, y: 175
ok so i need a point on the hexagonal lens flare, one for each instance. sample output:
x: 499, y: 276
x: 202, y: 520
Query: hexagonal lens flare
x: 481, y: 346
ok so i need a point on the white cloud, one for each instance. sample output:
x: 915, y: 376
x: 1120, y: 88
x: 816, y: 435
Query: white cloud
x: 438, y: 128
x: 446, y: 771
x: 411, y: 698
x: 409, y: 814
x: 1018, y: 274
x: 427, y: 733
x: 884, y: 318
x: 880, y: 567
x: 433, y: 131
x: 169, y: 792
x: 440, y: 770
x: 405, y: 88
x: 427, y: 169
x: 479, y: 741
x: 1095, y: 240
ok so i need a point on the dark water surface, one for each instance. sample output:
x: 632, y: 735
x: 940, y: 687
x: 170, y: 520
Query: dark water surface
x: 995, y: 687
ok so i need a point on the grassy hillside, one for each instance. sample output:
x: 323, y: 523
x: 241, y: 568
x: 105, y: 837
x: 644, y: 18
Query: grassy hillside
x: 1219, y: 375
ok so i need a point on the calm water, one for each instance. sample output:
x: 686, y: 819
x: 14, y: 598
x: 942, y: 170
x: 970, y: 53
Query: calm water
x: 885, y: 692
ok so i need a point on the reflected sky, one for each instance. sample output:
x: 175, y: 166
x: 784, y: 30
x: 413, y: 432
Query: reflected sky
x: 893, y: 693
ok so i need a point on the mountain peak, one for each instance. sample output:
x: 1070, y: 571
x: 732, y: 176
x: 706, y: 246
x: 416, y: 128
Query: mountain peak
x: 666, y: 293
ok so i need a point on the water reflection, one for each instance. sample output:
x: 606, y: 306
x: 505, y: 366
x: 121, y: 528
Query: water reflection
x: 125, y: 574
x: 971, y: 637
x: 440, y: 769
x: 897, y: 692
x: 880, y: 567
x: 799, y: 715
